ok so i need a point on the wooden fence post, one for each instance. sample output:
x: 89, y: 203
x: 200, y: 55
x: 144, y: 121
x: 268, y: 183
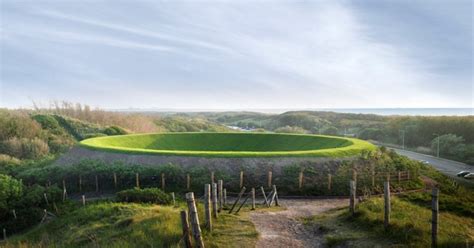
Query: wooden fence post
x: 207, y: 206
x: 4, y: 234
x: 329, y: 182
x: 372, y: 172
x: 46, y: 199
x: 83, y: 200
x: 80, y: 183
x: 242, y: 204
x: 434, y: 217
x: 212, y: 176
x: 242, y: 191
x: 265, y: 201
x: 214, y: 200
x: 408, y: 175
x: 14, y: 213
x: 185, y: 225
x: 173, y: 198
x: 194, y: 219
x: 96, y: 183
x: 115, y: 180
x: 137, y: 180
x: 163, y: 182
x: 300, y: 180
x: 273, y: 197
x: 354, y: 175
x: 241, y: 179
x: 253, y: 198
x: 220, y: 186
x: 352, y: 187
x: 64, y: 191
x: 188, y: 181
x: 387, y: 206
x: 225, y: 197
x: 269, y: 179
x: 399, y: 176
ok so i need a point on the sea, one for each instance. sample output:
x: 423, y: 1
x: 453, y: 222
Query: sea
x: 376, y: 111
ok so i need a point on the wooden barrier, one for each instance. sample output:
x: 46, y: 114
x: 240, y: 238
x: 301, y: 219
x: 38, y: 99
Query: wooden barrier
x: 352, y: 187
x: 115, y: 180
x: 188, y: 181
x: 96, y: 184
x: 214, y: 200
x: 387, y: 205
x: 137, y: 180
x: 185, y: 226
x: 265, y: 201
x: 173, y: 198
x: 434, y: 217
x: 241, y: 184
x: 242, y: 204
x: 269, y: 179
x: 46, y: 199
x: 300, y: 180
x: 220, y: 187
x: 83, y: 200
x: 242, y: 191
x: 253, y: 198
x: 163, y: 181
x: 329, y: 182
x: 207, y: 207
x: 212, y: 177
x: 196, y: 229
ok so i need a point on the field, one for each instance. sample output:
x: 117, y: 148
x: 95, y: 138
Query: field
x: 231, y: 145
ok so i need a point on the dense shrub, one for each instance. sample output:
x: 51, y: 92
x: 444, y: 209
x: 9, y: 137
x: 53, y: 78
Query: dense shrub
x: 148, y: 195
x: 114, y: 130
x: 290, y: 129
x: 10, y: 191
x: 24, y: 148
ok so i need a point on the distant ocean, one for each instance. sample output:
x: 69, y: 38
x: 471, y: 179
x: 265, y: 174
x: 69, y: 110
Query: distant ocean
x: 376, y: 111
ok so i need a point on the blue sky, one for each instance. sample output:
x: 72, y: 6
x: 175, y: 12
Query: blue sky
x: 237, y: 54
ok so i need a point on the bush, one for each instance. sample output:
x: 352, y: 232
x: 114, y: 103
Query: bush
x: 6, y: 161
x: 149, y: 195
x: 25, y: 148
x: 10, y: 191
x: 114, y: 130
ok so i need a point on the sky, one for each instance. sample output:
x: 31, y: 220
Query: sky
x: 237, y: 54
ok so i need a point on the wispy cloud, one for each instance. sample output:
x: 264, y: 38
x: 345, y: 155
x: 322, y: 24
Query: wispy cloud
x: 232, y: 55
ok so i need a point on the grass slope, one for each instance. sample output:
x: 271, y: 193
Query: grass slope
x: 410, y: 226
x: 111, y: 224
x: 231, y: 144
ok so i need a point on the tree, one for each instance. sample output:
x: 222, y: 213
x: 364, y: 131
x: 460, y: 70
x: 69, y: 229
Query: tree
x: 450, y: 145
x: 10, y: 191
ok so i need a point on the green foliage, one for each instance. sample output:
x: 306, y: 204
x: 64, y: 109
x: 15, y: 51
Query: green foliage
x: 183, y: 124
x: 290, y: 129
x: 148, y: 195
x: 107, y: 224
x: 10, y: 191
x: 449, y: 144
x: 24, y: 148
x: 114, y: 130
x: 231, y: 144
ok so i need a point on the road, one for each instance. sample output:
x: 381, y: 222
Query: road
x: 448, y: 167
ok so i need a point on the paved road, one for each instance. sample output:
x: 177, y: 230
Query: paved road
x: 445, y: 166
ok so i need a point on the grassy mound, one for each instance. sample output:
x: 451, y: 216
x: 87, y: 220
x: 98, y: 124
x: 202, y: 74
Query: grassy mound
x: 231, y: 144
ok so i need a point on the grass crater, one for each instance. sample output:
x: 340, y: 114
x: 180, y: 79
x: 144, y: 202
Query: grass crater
x: 230, y: 145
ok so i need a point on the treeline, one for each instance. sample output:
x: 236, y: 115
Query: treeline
x: 30, y: 135
x: 456, y: 133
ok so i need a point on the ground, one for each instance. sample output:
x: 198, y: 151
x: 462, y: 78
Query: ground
x: 285, y: 228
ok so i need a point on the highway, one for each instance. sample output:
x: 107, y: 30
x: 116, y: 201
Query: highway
x: 448, y: 167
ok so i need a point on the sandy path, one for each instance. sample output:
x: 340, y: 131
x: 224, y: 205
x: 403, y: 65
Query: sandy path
x: 282, y: 228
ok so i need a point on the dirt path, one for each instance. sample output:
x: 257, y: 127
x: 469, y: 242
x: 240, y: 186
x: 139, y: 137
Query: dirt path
x: 282, y: 228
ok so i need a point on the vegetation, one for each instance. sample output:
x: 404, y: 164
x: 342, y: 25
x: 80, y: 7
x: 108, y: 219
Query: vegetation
x: 231, y: 144
x: 111, y: 224
x: 149, y: 195
x: 418, y: 132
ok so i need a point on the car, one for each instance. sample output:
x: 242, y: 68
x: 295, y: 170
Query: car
x: 462, y: 173
x: 469, y: 176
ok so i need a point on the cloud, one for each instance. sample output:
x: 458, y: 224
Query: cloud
x: 227, y: 55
